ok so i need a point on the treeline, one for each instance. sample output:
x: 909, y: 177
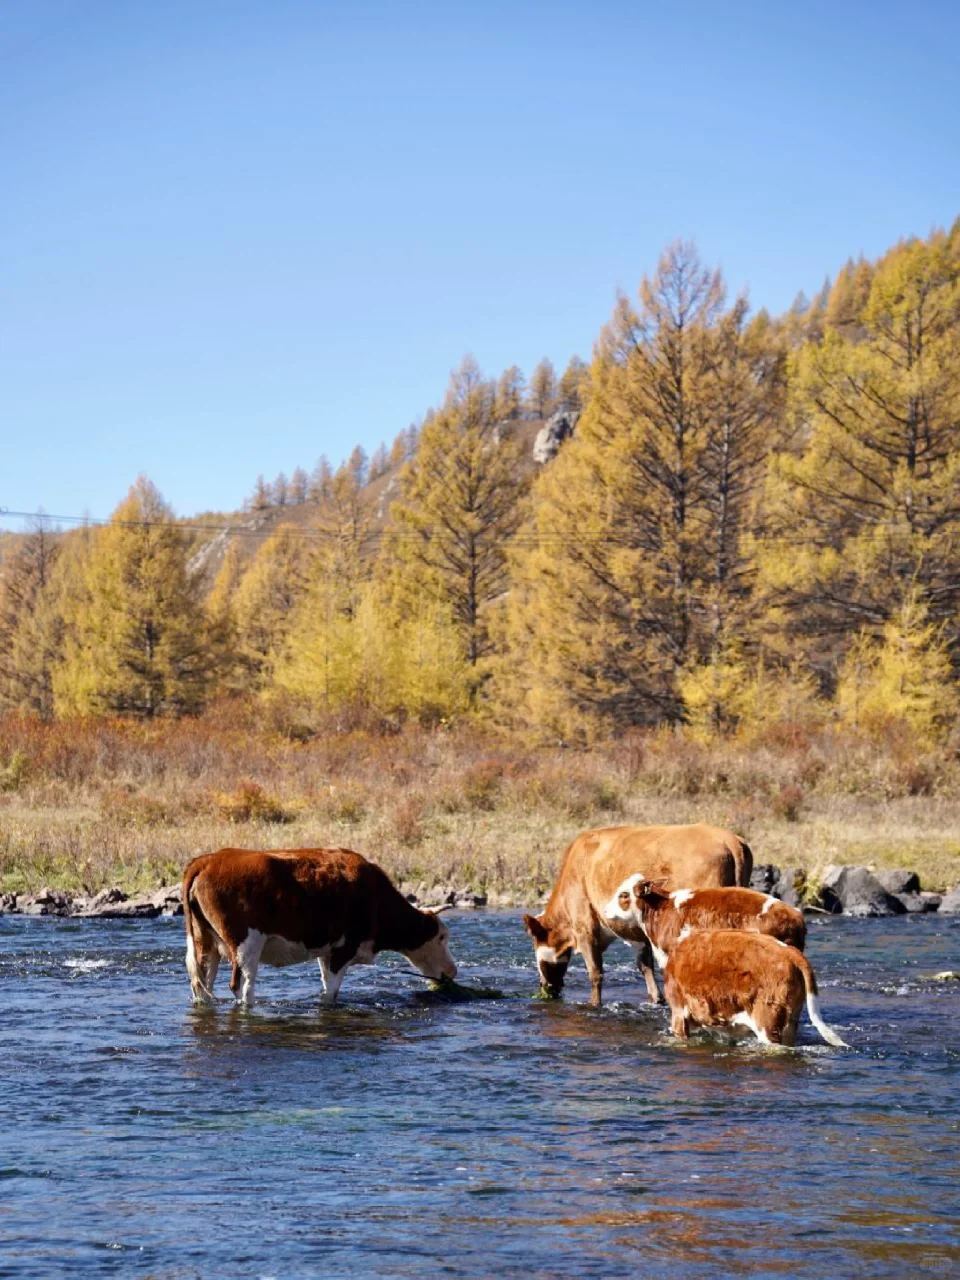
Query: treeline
x: 514, y: 399
x: 756, y: 524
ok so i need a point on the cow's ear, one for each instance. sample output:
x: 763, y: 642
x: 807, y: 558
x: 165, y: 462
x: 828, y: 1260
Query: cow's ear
x: 536, y: 930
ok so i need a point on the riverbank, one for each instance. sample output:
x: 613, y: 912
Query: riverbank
x: 93, y: 806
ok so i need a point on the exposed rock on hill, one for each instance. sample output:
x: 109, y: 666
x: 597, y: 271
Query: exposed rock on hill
x: 553, y: 433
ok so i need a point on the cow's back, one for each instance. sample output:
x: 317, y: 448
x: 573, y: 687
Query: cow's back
x: 686, y: 857
x: 303, y: 894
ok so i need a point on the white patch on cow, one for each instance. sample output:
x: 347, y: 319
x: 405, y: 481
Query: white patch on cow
x: 331, y: 981
x: 685, y: 932
x: 658, y: 955
x: 433, y: 959
x: 781, y: 941
x: 248, y: 958
x: 770, y: 902
x: 744, y: 1019
x: 546, y: 955
x: 613, y: 909
x: 680, y: 896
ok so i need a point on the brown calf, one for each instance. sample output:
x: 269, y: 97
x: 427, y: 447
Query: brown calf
x: 584, y: 912
x: 293, y: 905
x: 726, y: 977
x: 667, y: 917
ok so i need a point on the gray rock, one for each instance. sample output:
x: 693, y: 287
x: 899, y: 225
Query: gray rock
x: 132, y: 908
x: 914, y: 902
x: 106, y: 898
x: 932, y: 900
x: 898, y: 880
x: 950, y: 903
x: 553, y: 433
x: 8, y: 903
x: 790, y: 885
x: 168, y: 901
x: 857, y: 892
x: 764, y: 877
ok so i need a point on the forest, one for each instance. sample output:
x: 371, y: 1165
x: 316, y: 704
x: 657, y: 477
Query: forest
x: 749, y: 543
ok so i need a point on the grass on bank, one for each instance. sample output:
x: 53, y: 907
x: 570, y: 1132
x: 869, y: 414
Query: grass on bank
x: 87, y: 804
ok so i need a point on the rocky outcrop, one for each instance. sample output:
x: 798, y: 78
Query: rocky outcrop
x: 950, y: 904
x: 898, y: 880
x: 785, y: 883
x: 857, y: 892
x: 552, y: 434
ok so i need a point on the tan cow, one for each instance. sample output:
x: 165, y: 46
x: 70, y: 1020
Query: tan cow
x: 730, y: 978
x: 288, y: 906
x: 667, y: 917
x: 584, y: 912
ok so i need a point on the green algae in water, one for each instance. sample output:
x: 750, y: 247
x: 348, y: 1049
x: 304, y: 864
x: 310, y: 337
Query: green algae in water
x: 455, y: 992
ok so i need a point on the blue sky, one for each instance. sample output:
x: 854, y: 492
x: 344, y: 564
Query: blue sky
x: 234, y: 236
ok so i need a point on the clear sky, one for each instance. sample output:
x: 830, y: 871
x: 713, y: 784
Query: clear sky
x: 237, y: 235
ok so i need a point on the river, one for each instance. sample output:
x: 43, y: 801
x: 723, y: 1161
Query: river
x: 400, y: 1136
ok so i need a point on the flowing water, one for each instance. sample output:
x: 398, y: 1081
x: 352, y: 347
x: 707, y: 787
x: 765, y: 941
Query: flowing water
x: 400, y: 1136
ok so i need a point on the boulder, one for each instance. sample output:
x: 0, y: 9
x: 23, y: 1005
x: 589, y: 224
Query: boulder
x: 950, y: 902
x: 105, y: 898
x: 790, y: 885
x: 168, y: 901
x: 913, y: 902
x: 8, y: 903
x: 857, y: 892
x: 764, y: 877
x: 553, y: 433
x: 48, y: 902
x: 898, y: 880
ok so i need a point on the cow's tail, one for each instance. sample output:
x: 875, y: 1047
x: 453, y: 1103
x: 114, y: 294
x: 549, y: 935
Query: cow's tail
x: 743, y: 860
x: 201, y: 992
x: 813, y: 1006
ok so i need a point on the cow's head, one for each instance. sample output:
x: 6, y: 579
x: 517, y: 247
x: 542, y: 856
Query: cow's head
x: 648, y: 891
x: 553, y: 954
x: 433, y: 957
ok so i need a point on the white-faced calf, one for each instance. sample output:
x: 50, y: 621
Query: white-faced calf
x: 730, y: 978
x: 667, y: 917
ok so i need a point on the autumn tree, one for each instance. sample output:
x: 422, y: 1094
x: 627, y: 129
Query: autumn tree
x: 542, y: 391
x: 135, y: 637
x: 299, y: 486
x: 459, y: 504
x: 634, y: 549
x: 510, y: 392
x: 29, y: 634
x: 264, y: 600
x: 867, y: 510
x: 571, y: 391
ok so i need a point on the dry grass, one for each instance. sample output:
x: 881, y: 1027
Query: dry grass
x: 88, y: 804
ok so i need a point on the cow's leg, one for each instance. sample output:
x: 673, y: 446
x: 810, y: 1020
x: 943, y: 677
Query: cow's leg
x: 644, y: 954
x: 210, y: 965
x: 680, y: 1023
x: 331, y: 981
x: 246, y: 962
x: 593, y: 959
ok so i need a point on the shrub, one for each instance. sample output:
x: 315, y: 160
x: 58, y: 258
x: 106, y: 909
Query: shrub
x: 250, y: 803
x: 787, y: 801
x: 14, y: 772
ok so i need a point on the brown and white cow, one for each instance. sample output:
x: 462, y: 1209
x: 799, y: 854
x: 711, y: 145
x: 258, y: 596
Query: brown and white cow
x: 667, y: 917
x: 584, y: 912
x: 726, y: 977
x: 288, y: 906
